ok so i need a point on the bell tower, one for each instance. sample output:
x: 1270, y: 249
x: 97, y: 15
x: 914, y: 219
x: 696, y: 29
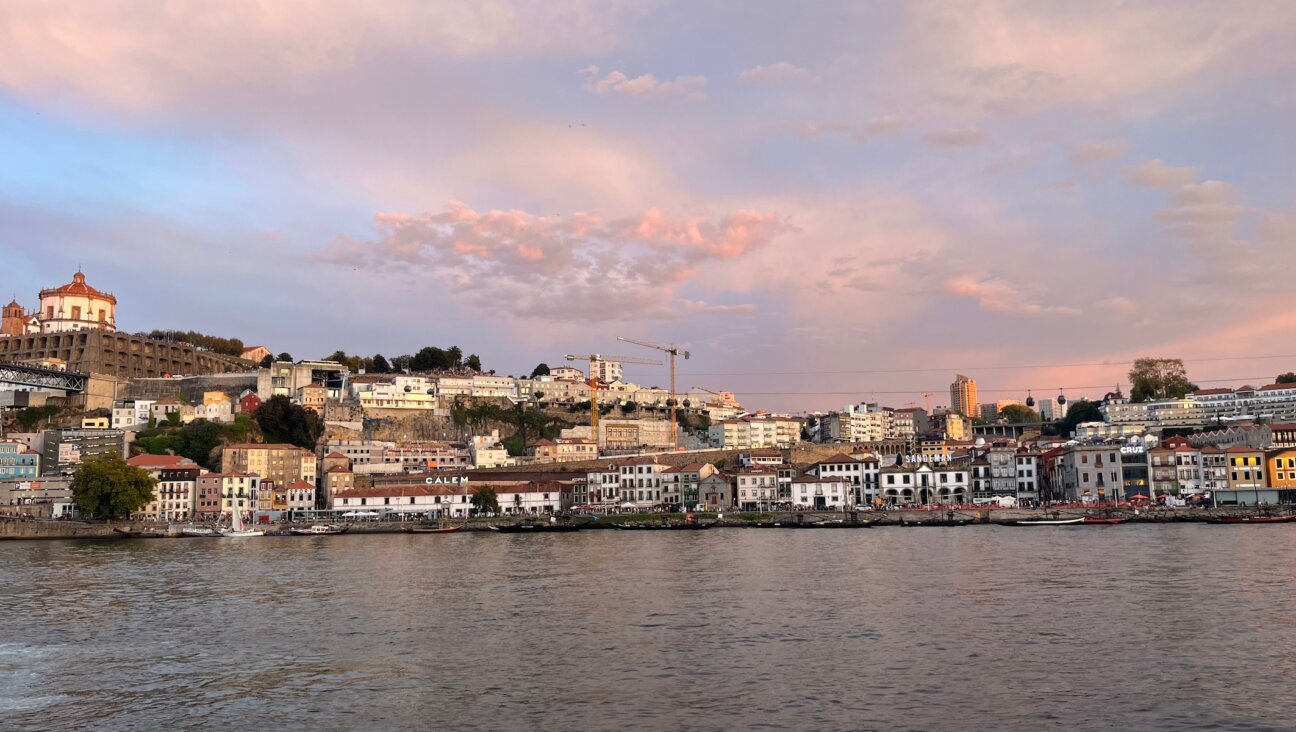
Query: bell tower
x: 14, y: 321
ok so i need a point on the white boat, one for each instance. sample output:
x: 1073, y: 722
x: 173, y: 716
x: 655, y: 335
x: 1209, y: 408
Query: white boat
x: 236, y: 529
x: 1043, y: 522
x: 196, y: 531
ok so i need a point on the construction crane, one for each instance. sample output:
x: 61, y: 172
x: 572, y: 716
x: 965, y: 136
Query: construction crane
x: 594, y: 382
x: 672, y: 401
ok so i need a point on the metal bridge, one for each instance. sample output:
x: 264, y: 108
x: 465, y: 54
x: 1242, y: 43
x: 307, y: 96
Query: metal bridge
x: 42, y: 378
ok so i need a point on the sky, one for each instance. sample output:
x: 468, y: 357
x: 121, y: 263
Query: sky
x: 825, y: 203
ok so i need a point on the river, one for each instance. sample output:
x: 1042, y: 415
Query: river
x: 1174, y: 626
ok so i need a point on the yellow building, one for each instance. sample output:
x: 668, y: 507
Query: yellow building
x: 1282, y: 468
x: 282, y: 464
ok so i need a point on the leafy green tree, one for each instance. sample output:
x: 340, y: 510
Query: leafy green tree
x: 484, y: 501
x: 1081, y: 410
x: 1019, y: 414
x: 31, y: 417
x: 380, y: 365
x: 227, y: 346
x: 1287, y: 378
x: 339, y: 357
x: 284, y: 357
x: 106, y: 486
x: 1159, y: 378
x: 267, y: 361
x: 541, y: 369
x: 473, y: 363
x: 455, y: 356
x: 282, y: 421
x: 430, y: 358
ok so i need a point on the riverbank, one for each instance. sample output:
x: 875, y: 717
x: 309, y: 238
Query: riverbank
x: 36, y: 529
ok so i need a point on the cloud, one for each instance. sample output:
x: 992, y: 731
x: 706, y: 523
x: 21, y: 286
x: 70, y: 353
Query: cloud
x: 117, y: 52
x: 877, y: 127
x: 1093, y: 151
x: 1000, y: 296
x: 522, y: 265
x: 1117, y: 305
x: 781, y: 71
x: 645, y: 85
x: 956, y: 138
x: 1156, y: 174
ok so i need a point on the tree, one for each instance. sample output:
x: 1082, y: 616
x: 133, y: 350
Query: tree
x: 541, y: 369
x: 30, y: 417
x: 380, y: 365
x: 473, y: 363
x: 1159, y: 378
x: 106, y: 486
x: 267, y: 361
x: 284, y: 357
x: 1287, y: 378
x: 282, y: 421
x: 455, y: 355
x: 1019, y: 414
x: 484, y: 501
x: 430, y: 358
x: 339, y: 357
x: 1081, y: 410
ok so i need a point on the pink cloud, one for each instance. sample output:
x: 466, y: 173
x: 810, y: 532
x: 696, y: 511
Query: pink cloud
x: 644, y: 85
x: 780, y: 71
x: 548, y: 267
x: 1000, y: 296
x: 1156, y: 174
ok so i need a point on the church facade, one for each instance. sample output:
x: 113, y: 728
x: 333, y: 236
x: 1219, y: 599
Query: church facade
x: 73, y: 307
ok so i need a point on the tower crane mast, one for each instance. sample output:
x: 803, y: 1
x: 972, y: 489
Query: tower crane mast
x: 673, y: 401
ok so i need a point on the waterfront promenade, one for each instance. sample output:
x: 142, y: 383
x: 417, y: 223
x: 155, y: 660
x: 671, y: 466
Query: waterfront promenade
x: 18, y: 528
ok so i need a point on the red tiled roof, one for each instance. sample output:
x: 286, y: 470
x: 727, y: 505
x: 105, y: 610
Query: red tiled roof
x: 161, y: 462
x: 78, y: 287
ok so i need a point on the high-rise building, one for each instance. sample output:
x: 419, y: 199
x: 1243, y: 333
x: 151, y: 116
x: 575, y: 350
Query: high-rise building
x: 963, y: 396
x: 608, y: 371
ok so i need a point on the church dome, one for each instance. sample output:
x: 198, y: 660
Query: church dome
x: 78, y: 287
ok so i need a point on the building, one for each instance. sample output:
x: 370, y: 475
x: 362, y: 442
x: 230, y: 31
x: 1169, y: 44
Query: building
x: 285, y: 379
x: 487, y: 452
x: 860, y: 474
x: 757, y: 489
x: 603, y: 370
x: 132, y: 413
x: 682, y: 484
x: 277, y: 463
x: 207, y: 497
x: 629, y: 435
x: 562, y: 450
x: 240, y: 492
x: 715, y: 492
x: 63, y: 451
x: 299, y: 496
x: 1174, y: 467
x: 1248, y: 483
x: 923, y: 483
x: 176, y: 488
x: 18, y: 462
x: 640, y: 482
x: 1093, y: 473
x: 746, y: 433
x: 256, y: 354
x: 963, y: 397
x: 822, y: 494
x: 1027, y: 465
x: 46, y: 498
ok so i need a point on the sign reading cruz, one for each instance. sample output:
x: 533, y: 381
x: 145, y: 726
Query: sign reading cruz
x: 449, y: 480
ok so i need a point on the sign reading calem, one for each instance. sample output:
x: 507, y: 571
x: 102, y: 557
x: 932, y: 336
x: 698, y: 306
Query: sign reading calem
x: 450, y: 480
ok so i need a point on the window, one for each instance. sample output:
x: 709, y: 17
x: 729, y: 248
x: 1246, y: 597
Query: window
x: 1084, y: 459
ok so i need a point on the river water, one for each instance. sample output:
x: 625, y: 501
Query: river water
x: 1128, y: 627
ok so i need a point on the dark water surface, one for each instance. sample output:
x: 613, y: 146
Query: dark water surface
x: 1127, y: 627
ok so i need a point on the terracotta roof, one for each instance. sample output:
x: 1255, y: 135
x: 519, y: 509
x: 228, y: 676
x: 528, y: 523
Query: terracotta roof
x: 1272, y: 387
x: 339, y: 469
x: 301, y: 484
x: 1208, y: 392
x: 688, y: 468
x: 78, y: 287
x: 161, y: 462
x: 813, y: 479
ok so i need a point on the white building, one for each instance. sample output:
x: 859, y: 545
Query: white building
x: 831, y: 494
x: 605, y: 370
x: 925, y: 483
x: 132, y: 413
x: 641, y: 482
x: 757, y: 489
